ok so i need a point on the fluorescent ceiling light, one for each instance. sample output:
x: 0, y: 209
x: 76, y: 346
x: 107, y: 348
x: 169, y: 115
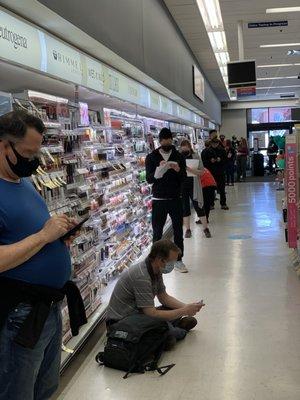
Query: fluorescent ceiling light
x: 277, y: 87
x: 211, y: 13
x: 263, y: 46
x: 277, y: 77
x: 282, y: 10
x: 218, y: 40
x: 277, y: 65
x: 224, y: 71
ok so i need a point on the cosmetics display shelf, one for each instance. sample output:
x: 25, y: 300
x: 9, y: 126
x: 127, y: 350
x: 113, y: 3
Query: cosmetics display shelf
x: 98, y: 172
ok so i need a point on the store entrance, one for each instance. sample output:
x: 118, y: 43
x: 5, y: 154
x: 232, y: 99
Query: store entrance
x: 263, y: 137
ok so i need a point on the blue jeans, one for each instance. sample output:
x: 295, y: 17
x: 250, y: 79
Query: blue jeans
x: 30, y: 374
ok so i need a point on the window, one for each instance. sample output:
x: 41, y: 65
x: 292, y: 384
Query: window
x: 280, y: 114
x: 258, y: 116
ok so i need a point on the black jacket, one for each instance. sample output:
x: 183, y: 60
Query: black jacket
x: 216, y: 168
x: 13, y: 292
x: 170, y: 185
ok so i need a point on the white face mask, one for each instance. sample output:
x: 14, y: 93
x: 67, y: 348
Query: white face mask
x: 170, y: 265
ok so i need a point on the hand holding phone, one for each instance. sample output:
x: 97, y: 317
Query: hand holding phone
x: 73, y: 231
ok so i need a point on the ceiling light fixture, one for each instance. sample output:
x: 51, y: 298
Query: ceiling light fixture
x: 211, y: 14
x: 277, y: 87
x: 264, y: 46
x: 282, y: 10
x: 277, y: 65
x: 276, y: 77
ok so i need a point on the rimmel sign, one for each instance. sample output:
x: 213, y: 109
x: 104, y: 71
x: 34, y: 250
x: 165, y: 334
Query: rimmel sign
x: 291, y: 182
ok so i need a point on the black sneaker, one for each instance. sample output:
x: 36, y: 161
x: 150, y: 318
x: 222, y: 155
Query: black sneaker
x: 207, y: 233
x: 198, y: 222
x: 225, y: 208
x: 212, y: 207
x: 188, y: 234
x: 187, y: 323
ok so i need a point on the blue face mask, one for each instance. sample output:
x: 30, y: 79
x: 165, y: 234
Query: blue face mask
x: 170, y: 265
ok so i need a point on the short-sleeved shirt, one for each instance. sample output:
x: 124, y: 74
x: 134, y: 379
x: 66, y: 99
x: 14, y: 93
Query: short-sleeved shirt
x: 135, y: 289
x: 23, y: 212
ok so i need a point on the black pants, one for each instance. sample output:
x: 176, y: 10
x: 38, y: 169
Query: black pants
x: 160, y: 210
x: 187, y: 198
x: 230, y: 173
x: 209, y: 199
x: 220, y: 180
x: 241, y: 167
x: 272, y: 162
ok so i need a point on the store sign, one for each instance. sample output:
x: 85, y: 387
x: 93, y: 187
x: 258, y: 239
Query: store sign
x: 23, y: 44
x: 19, y: 42
x: 291, y: 184
x: 268, y: 24
x: 154, y: 100
x: 246, y: 91
x: 64, y: 62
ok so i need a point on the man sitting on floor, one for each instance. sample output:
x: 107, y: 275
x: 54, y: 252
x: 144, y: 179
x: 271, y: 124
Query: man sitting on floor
x: 140, y: 284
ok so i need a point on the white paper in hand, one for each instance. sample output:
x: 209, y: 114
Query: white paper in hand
x: 191, y: 163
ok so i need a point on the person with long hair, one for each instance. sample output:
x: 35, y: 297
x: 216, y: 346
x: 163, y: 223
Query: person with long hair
x: 192, y: 191
x: 242, y: 154
x: 231, y: 155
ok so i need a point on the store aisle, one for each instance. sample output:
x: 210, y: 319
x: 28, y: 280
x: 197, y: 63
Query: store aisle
x: 247, y: 343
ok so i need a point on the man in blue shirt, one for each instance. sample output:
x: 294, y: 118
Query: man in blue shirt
x: 30, y: 252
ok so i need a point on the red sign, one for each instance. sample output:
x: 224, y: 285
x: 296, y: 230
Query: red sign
x: 291, y: 185
x: 246, y: 91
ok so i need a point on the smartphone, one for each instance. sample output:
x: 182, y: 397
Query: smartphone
x: 74, y: 230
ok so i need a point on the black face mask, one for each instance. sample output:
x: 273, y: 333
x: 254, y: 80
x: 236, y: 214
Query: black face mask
x: 185, y: 153
x: 24, y: 167
x: 167, y: 147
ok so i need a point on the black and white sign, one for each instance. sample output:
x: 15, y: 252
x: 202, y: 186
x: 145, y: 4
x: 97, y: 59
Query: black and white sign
x: 269, y: 24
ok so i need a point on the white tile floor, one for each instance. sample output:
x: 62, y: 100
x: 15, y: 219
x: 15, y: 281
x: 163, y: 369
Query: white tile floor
x: 247, y: 343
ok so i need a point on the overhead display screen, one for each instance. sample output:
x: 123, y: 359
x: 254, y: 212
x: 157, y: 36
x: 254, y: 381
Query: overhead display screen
x: 198, y: 83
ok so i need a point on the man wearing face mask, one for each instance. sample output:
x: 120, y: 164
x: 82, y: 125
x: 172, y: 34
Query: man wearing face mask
x: 34, y: 265
x: 139, y: 285
x: 166, y: 171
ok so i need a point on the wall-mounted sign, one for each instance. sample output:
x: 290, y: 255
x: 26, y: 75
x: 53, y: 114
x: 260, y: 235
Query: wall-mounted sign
x: 268, y: 24
x: 28, y: 46
x: 246, y: 91
x: 198, y: 84
x: 19, y: 42
x: 292, y: 187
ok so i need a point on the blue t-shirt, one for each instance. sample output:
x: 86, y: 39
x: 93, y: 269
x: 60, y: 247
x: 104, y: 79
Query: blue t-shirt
x: 23, y: 212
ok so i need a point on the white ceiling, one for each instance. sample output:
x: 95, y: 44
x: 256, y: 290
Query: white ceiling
x: 187, y: 16
x: 255, y: 11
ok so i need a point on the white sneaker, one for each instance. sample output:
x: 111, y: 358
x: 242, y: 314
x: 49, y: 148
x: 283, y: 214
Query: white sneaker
x: 180, y: 267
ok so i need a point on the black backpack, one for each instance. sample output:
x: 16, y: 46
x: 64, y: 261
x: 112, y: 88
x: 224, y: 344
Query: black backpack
x: 135, y: 344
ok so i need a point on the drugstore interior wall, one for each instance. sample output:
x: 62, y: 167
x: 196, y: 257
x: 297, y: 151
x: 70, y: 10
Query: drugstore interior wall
x: 234, y: 123
x: 144, y: 34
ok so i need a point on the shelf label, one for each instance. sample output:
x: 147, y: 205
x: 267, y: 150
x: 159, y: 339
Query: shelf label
x: 292, y: 189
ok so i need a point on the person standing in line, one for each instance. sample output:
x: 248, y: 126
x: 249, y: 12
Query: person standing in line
x: 272, y: 154
x: 209, y: 187
x: 166, y: 171
x: 223, y: 140
x: 235, y: 142
x: 231, y: 156
x: 34, y: 265
x: 192, y: 191
x: 242, y: 155
x: 214, y: 159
